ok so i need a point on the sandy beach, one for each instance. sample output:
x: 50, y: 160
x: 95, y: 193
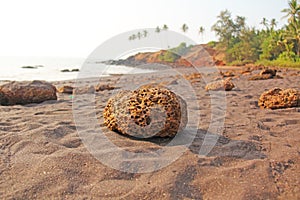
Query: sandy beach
x: 257, y: 155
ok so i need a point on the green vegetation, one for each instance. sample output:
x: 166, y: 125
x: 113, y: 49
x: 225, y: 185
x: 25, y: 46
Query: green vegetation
x: 169, y: 57
x: 269, y: 47
x: 173, y: 54
x: 242, y: 44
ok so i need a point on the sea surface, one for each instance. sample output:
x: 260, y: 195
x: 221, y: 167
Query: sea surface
x: 49, y: 68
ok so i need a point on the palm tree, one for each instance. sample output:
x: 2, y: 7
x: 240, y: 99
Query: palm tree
x: 293, y: 12
x: 265, y: 23
x: 293, y: 28
x: 165, y: 27
x: 145, y: 33
x: 273, y: 24
x: 201, y: 31
x: 184, y: 28
x: 157, y: 29
x: 133, y: 36
x: 139, y: 35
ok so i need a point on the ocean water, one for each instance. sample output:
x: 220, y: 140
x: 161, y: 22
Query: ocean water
x: 49, y: 68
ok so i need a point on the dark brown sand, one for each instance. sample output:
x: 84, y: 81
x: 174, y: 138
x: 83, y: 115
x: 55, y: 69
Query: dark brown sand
x: 256, y: 157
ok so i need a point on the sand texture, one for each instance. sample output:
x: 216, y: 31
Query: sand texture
x: 257, y: 155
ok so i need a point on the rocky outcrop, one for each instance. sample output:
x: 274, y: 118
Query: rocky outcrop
x: 278, y: 98
x: 146, y: 112
x: 226, y: 85
x: 26, y: 92
x: 198, y: 55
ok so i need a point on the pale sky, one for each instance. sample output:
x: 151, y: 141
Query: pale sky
x: 70, y: 28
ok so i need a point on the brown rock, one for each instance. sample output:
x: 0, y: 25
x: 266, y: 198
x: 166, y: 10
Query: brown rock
x: 227, y: 74
x: 66, y: 89
x: 192, y: 76
x: 271, y: 72
x: 102, y: 87
x: 246, y: 71
x: 146, y: 112
x: 84, y: 90
x: 264, y: 77
x: 260, y: 77
x: 26, y: 92
x: 226, y: 85
x: 278, y: 98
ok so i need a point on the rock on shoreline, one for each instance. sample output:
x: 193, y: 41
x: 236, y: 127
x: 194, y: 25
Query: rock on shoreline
x: 26, y: 92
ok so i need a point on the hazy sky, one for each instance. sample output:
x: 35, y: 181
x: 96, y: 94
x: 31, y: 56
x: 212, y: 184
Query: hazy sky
x: 75, y: 28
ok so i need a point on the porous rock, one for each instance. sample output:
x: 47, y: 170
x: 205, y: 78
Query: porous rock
x: 26, y: 92
x: 146, y: 112
x: 278, y: 98
x: 226, y: 85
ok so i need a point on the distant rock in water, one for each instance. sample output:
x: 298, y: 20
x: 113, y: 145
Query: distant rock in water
x: 26, y: 92
x: 68, y: 70
x: 278, y: 98
x: 65, y: 70
x: 226, y: 85
x: 32, y: 67
x: 150, y: 111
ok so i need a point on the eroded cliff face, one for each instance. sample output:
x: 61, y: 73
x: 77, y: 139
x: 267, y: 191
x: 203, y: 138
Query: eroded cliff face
x: 198, y: 55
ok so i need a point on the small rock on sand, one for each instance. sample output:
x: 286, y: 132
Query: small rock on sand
x: 102, y: 87
x: 65, y: 89
x: 226, y: 85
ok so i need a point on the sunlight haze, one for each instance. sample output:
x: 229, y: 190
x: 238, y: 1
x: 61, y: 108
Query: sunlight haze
x: 76, y: 28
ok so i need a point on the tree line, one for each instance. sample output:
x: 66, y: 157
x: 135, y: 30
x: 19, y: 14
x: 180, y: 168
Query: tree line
x: 144, y: 33
x: 243, y: 44
x: 268, y: 46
